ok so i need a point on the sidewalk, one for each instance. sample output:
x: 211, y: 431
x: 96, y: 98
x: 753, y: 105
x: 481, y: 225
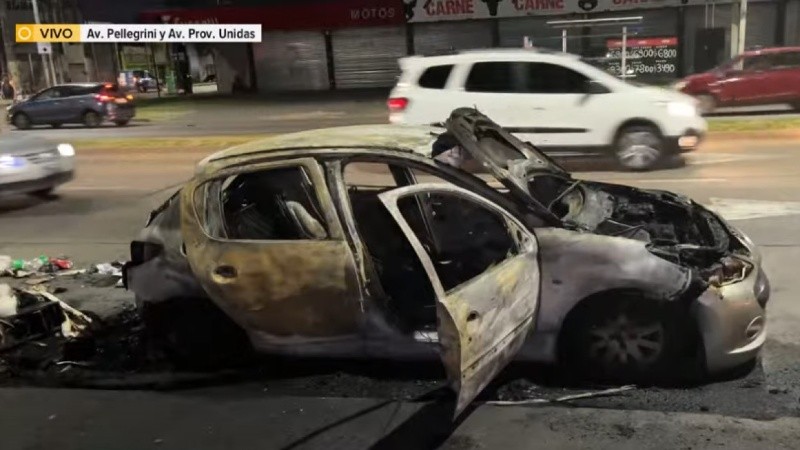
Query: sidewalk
x: 249, y: 418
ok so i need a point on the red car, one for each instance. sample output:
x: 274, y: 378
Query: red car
x: 758, y: 77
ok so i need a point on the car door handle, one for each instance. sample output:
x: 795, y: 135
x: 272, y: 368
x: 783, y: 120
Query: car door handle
x: 225, y: 271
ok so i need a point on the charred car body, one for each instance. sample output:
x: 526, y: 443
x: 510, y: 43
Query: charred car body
x: 307, y: 261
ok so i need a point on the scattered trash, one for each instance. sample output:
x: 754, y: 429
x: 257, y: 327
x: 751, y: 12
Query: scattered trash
x: 37, y: 281
x: 536, y: 401
x: 8, y: 302
x: 29, y: 266
x: 109, y: 269
x: 5, y: 264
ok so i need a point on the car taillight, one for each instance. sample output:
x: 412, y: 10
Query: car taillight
x: 103, y: 98
x: 398, y: 104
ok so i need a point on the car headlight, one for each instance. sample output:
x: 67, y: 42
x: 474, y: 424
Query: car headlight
x: 66, y: 150
x: 11, y: 162
x: 681, y: 109
x: 729, y: 270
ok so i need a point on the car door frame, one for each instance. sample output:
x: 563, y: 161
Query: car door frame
x: 41, y: 111
x: 302, y: 329
x: 477, y: 339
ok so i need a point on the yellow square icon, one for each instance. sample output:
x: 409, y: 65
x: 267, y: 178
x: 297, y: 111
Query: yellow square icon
x: 25, y: 33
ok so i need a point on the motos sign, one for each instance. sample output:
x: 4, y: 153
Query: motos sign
x: 438, y: 10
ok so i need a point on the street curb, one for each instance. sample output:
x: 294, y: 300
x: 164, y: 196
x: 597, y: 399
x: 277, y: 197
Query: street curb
x: 754, y: 135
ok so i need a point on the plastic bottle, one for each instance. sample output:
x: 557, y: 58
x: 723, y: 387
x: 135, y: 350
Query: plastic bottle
x: 30, y: 266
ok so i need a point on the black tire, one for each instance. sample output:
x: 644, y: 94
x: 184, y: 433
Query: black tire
x: 194, y: 333
x: 639, y: 148
x: 21, y: 121
x: 91, y: 119
x: 121, y: 123
x: 56, y: 125
x: 627, y: 338
x: 46, y: 194
x: 795, y: 105
x: 706, y: 104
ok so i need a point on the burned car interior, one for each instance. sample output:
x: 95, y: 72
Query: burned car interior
x: 463, y: 240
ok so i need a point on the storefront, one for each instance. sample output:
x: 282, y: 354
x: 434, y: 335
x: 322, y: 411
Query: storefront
x: 310, y: 46
x: 663, y: 23
x: 356, y: 43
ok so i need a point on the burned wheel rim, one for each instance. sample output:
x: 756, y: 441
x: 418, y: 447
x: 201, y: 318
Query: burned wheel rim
x: 639, y: 149
x: 624, y: 341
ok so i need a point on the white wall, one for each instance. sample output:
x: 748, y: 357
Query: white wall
x: 231, y: 60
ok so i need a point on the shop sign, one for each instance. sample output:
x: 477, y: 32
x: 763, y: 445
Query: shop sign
x: 440, y: 10
x: 645, y: 58
x: 324, y: 15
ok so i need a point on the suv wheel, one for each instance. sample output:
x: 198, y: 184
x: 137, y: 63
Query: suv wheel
x: 22, y: 121
x: 706, y: 104
x: 91, y: 119
x: 638, y: 148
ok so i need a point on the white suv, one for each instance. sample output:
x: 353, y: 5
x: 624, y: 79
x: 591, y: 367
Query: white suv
x: 554, y: 100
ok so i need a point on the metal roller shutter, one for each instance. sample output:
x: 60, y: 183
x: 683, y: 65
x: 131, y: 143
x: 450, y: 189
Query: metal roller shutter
x: 762, y: 20
x: 291, y: 61
x: 443, y: 37
x: 514, y: 31
x: 367, y: 57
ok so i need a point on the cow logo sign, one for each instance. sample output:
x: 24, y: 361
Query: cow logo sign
x: 587, y: 5
x: 408, y: 7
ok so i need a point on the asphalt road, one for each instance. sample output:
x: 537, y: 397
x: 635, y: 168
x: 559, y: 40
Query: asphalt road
x: 223, y: 117
x: 754, y: 184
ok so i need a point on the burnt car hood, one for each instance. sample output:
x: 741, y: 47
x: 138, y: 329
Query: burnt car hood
x: 674, y: 226
x: 509, y: 159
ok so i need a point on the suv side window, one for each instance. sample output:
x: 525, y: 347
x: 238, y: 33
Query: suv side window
x: 491, y: 77
x: 758, y: 62
x: 546, y: 78
x: 435, y: 77
x: 788, y: 60
x: 49, y: 94
x: 271, y: 204
x: 465, y: 238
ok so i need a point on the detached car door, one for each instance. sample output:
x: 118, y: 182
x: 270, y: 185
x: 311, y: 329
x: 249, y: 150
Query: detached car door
x: 484, y: 269
x: 267, y: 246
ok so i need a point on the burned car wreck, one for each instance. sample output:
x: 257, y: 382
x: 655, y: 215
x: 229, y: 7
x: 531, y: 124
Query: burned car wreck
x: 357, y: 242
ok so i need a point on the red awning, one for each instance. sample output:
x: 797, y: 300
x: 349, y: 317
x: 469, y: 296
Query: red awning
x: 338, y: 14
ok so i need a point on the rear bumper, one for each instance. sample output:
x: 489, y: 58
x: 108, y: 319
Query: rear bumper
x: 120, y: 113
x: 39, y: 184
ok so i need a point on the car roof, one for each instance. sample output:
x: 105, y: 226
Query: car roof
x: 490, y: 54
x: 417, y: 139
x: 770, y: 50
x: 94, y: 84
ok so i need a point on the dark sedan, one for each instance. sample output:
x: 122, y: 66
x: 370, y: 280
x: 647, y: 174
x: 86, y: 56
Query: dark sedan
x: 86, y: 103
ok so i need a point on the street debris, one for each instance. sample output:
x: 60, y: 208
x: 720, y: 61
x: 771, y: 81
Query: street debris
x: 566, y: 398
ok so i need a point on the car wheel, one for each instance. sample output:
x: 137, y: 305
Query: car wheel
x: 21, y: 121
x: 121, y: 123
x: 194, y: 333
x: 706, y: 104
x: 46, y: 194
x: 627, y: 339
x: 638, y: 148
x: 55, y: 125
x: 91, y: 119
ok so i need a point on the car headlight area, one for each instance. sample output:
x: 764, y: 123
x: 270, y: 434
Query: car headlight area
x: 66, y: 150
x: 681, y: 109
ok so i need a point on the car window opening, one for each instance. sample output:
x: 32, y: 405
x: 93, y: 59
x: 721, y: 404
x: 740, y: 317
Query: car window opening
x: 462, y: 238
x: 276, y: 204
